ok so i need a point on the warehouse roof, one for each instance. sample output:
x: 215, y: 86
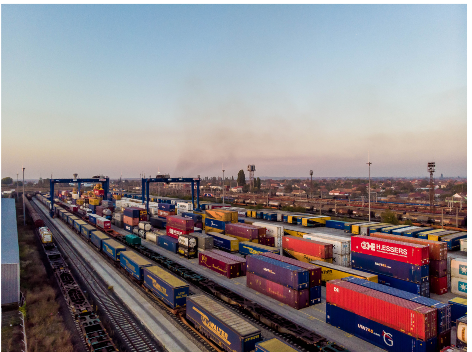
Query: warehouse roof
x: 10, y: 248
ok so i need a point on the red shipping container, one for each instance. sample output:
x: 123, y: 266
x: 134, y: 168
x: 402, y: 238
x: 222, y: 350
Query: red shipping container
x: 313, y: 270
x: 99, y: 210
x: 165, y: 213
x: 143, y: 217
x: 306, y: 246
x: 104, y: 223
x: 293, y: 298
x: 444, y: 339
x: 400, y: 314
x: 410, y: 253
x: 241, y: 230
x: 130, y: 221
x: 219, y: 264
x: 181, y: 223
x: 437, y: 249
x: 174, y: 233
x: 234, y: 257
x: 267, y: 241
x: 438, y: 285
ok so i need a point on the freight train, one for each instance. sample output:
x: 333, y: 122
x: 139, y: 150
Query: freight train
x: 205, y: 318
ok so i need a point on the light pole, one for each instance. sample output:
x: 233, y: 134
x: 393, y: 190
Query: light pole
x: 24, y: 213
x: 223, y: 186
x: 311, y: 185
x: 369, y: 163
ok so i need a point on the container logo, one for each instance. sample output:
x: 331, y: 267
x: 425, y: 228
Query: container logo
x: 368, y: 246
x: 387, y: 338
x: 213, y: 327
x: 269, y: 271
x: 463, y: 270
x: 157, y: 286
x: 463, y: 287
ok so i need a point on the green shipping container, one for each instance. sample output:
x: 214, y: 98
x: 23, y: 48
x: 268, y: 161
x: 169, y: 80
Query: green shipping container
x: 133, y: 239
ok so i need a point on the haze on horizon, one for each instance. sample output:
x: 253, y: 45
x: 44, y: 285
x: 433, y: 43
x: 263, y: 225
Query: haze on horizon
x: 186, y: 88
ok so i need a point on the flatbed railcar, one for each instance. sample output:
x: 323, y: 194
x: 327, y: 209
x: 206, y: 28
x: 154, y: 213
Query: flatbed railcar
x: 309, y: 340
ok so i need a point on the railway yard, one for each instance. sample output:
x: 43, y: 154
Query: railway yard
x: 165, y: 276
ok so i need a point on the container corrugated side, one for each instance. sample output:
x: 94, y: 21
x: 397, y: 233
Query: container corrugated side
x: 305, y: 246
x: 219, y: 264
x: 250, y: 248
x: 376, y: 333
x: 166, y: 286
x: 134, y: 263
x: 113, y: 248
x: 339, y: 247
x: 97, y: 237
x: 332, y: 272
x: 234, y: 257
x: 403, y: 315
x: 421, y: 289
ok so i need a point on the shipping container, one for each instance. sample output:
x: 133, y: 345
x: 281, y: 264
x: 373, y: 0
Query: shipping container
x: 222, y: 325
x: 438, y: 268
x: 175, y: 233
x: 133, y: 240
x: 450, y: 257
x: 267, y: 241
x: 376, y: 333
x: 195, y: 217
x: 169, y: 243
x: 103, y: 223
x: 130, y: 221
x: 275, y: 231
x: 219, y: 264
x: 78, y: 225
x: 437, y: 250
x: 314, y: 272
x: 164, y: 213
x: 45, y: 234
x: 71, y: 219
x: 217, y: 224
x: 249, y: 248
x: 222, y: 215
x: 356, y: 227
x: 151, y: 237
x: 315, y: 295
x: 459, y: 287
x: 462, y: 332
x: 309, y: 247
x: 274, y: 345
x: 424, y: 234
x: 144, y: 225
x: 96, y: 237
x: 186, y: 252
x: 224, y: 242
x: 305, y: 257
x: 166, y: 286
x: 86, y: 230
x: 443, y: 310
x: 234, y: 257
x: 391, y: 228
x: 113, y: 248
x: 241, y: 230
x: 421, y: 289
x: 166, y: 206
x: 438, y: 285
x: 181, y: 223
x: 439, y: 235
x: 458, y: 308
x: 204, y: 241
x: 416, y: 232
x: 188, y: 241
x: 399, y: 270
x: 283, y: 273
x: 463, y: 244
x: 453, y: 241
x: 410, y: 253
x: 335, y: 224
x: 132, y: 212
x: 416, y: 320
x: 341, y: 247
x: 365, y: 231
x: 293, y: 298
x: 134, y: 263
x: 332, y: 272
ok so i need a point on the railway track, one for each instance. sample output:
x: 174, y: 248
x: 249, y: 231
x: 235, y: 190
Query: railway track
x: 128, y: 331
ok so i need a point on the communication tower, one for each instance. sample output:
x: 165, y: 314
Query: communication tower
x: 251, y: 169
x: 431, y: 169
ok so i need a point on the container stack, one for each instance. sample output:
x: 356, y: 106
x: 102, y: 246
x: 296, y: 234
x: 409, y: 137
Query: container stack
x: 223, y: 242
x: 341, y: 247
x: 187, y: 246
x: 398, y: 264
x: 459, y: 276
x: 382, y: 319
x: 234, y: 257
x: 219, y: 264
x: 204, y: 241
x: 178, y: 225
x: 242, y: 232
x: 283, y: 282
x: 437, y: 261
x: 307, y: 250
x: 165, y: 210
x: 132, y: 216
x: 314, y: 273
x: 273, y: 236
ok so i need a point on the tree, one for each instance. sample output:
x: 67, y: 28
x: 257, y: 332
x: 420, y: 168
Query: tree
x: 257, y: 183
x: 241, y: 178
x: 7, y: 181
x: 424, y: 183
x: 408, y: 222
x: 389, y: 217
x: 288, y: 188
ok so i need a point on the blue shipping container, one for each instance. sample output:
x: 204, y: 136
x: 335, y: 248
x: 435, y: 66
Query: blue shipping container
x: 166, y: 286
x: 134, y: 263
x: 194, y: 217
x: 96, y: 237
x: 399, y: 270
x: 221, y: 243
x: 217, y: 224
x: 414, y: 233
x: 247, y: 248
x: 273, y: 270
x: 113, y: 249
x: 166, y: 206
x: 241, y: 220
x: 86, y: 230
x: 454, y: 240
x: 128, y: 228
x: 421, y: 289
x: 458, y: 310
x: 334, y: 224
x: 376, y: 333
x: 443, y: 309
x: 132, y: 213
x: 168, y: 243
x: 315, y: 295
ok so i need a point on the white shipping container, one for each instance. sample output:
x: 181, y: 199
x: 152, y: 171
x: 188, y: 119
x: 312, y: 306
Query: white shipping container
x: 464, y: 244
x: 144, y: 225
x: 151, y: 236
x: 190, y: 242
x: 184, y: 206
x: 103, y: 223
x: 118, y: 216
x: 462, y: 331
x: 459, y: 268
x: 339, y: 247
x: 136, y: 231
x: 342, y: 260
x: 276, y: 231
x: 450, y: 257
x: 459, y: 287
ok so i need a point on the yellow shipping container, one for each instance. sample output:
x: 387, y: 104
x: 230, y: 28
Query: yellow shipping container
x: 79, y: 201
x: 253, y: 214
x: 319, y: 219
x: 118, y: 196
x: 94, y: 201
x: 248, y: 213
x: 439, y: 236
x: 355, y: 229
x: 222, y: 215
x: 242, y: 239
x: 332, y: 272
x: 212, y: 229
x: 305, y: 257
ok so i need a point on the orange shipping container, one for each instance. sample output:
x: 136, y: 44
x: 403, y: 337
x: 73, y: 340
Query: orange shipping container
x: 130, y: 221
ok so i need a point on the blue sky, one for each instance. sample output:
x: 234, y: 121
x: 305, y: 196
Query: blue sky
x: 117, y: 88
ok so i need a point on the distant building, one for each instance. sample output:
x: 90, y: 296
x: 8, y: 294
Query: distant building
x: 238, y: 189
x: 10, y: 255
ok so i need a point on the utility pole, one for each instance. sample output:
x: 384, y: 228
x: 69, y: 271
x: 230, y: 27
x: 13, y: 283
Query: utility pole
x: 17, y: 188
x: 24, y: 212
x: 457, y: 217
x: 369, y: 163
x: 223, y: 185
x: 442, y: 218
x: 431, y: 169
x: 311, y: 185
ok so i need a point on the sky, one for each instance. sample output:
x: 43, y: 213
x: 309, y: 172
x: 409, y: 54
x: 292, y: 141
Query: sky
x: 191, y: 89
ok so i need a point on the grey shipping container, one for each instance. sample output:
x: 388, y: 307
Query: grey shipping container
x: 221, y: 324
x: 205, y: 241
